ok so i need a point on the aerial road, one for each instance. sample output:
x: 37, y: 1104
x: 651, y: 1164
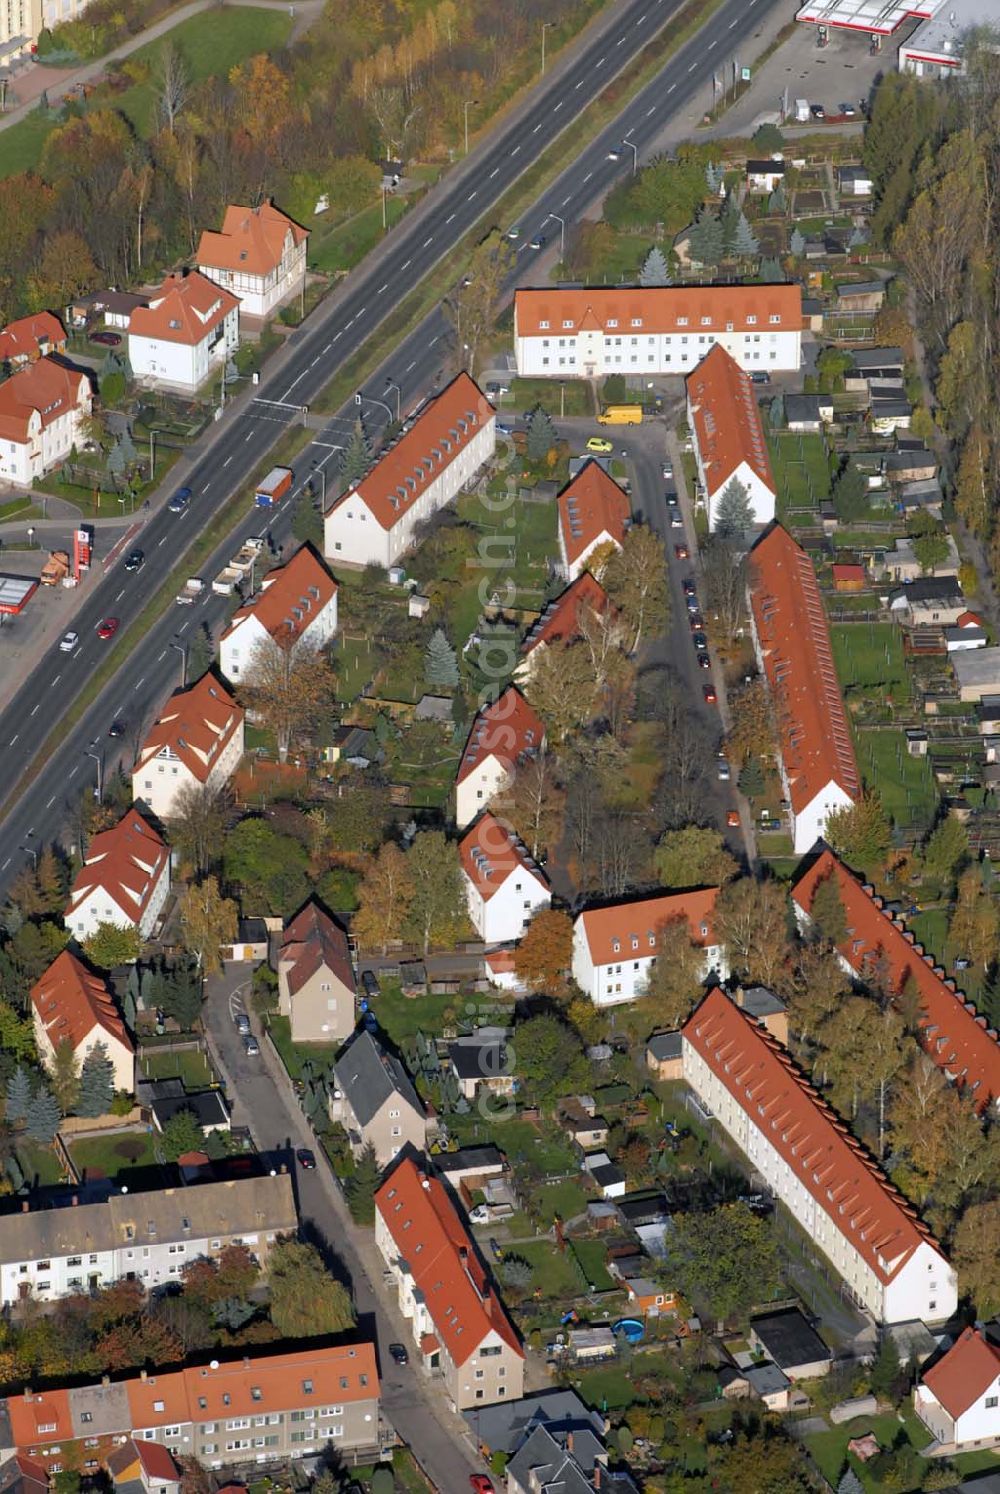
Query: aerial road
x: 326, y: 344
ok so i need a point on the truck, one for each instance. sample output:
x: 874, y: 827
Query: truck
x: 190, y: 592
x: 237, y: 570
x: 802, y: 115
x: 272, y: 488
x: 621, y: 415
x: 56, y: 568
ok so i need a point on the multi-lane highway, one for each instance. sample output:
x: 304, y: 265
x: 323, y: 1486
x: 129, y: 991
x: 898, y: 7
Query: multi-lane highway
x: 316, y: 352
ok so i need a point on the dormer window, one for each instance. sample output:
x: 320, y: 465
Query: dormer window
x: 307, y: 1387
x: 543, y: 326
x: 751, y: 321
x: 682, y: 321
x: 616, y: 946
x: 775, y: 320
x: 567, y: 326
x: 637, y: 321
x: 706, y: 321
x: 612, y: 321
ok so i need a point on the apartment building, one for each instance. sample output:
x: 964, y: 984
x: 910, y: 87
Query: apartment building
x: 259, y: 1409
x: 147, y: 1237
x: 791, y: 638
x: 728, y: 435
x: 502, y: 734
x: 616, y: 945
x: 124, y: 880
x: 459, y: 1324
x: 376, y: 521
x: 195, y: 742
x: 22, y: 20
x: 888, y: 1260
x: 504, y: 887
x: 562, y: 621
x: 374, y: 1100
x: 594, y: 515
x: 70, y: 1004
x: 42, y: 407
x: 259, y: 256
x: 958, y: 1397
x: 296, y: 606
x: 186, y: 331
x: 955, y: 1036
x: 564, y: 333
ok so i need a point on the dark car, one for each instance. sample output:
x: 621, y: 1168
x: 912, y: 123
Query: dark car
x: 116, y: 729
x: 817, y: 111
x: 704, y: 662
x: 497, y: 1253
x: 689, y: 585
x: 695, y: 621
x: 179, y: 502
x: 699, y: 640
x: 692, y: 602
x: 671, y: 496
x: 709, y: 693
x: 760, y: 376
x: 135, y: 560
x: 399, y: 1353
x: 305, y: 1158
x: 106, y: 339
x: 369, y: 983
x: 538, y: 242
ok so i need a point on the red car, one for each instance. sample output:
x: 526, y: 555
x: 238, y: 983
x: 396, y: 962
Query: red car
x: 710, y: 695
x: 480, y: 1484
x: 732, y: 819
x: 107, y: 627
x: 682, y: 552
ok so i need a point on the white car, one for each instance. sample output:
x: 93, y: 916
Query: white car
x: 68, y: 642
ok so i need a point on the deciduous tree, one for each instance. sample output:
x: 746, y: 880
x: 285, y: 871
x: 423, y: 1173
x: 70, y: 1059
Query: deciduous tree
x: 976, y: 1258
x: 673, y: 985
x: 288, y: 686
x: 947, y: 850
x: 693, y: 857
x: 110, y: 945
x: 544, y: 953
x: 384, y: 899
x: 561, y: 688
x: 270, y: 868
x: 208, y: 920
x: 751, y: 730
x: 534, y: 802
x: 827, y: 912
x: 475, y: 305
x: 182, y: 1133
x: 306, y: 1300
x: 437, y: 912
x: 972, y: 502
x: 724, y: 570
x: 548, y: 1057
x: 636, y: 582
x: 751, y: 921
x: 859, y: 833
x: 199, y: 816
x: 725, y: 1260
x: 975, y: 923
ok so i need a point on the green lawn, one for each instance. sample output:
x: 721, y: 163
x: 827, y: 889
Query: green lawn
x: 349, y: 242
x: 39, y: 1164
x: 567, y: 1199
x: 294, y: 1055
x: 401, y: 1017
x: 554, y: 1272
x: 607, y: 1389
x: 107, y: 1156
x: 515, y: 543
x: 829, y: 1449
x: 190, y: 1066
x: 574, y: 397
x: 905, y: 784
x: 800, y: 469
x: 870, y: 654
x: 591, y: 1254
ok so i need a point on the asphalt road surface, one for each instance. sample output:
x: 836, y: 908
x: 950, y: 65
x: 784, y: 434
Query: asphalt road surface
x: 153, y: 668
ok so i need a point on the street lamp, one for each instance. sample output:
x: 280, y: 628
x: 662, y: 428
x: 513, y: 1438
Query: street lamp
x: 317, y: 467
x: 31, y: 537
x: 635, y: 154
x: 546, y: 25
x: 391, y: 384
x: 562, y: 233
x: 89, y: 752
x: 182, y: 650
x: 33, y: 854
x: 469, y: 103
x: 371, y: 400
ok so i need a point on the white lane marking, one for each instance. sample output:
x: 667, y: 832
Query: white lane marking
x: 161, y: 542
x: 382, y: 289
x: 588, y: 176
x: 710, y: 45
x: 183, y: 625
x: 650, y: 111
x: 427, y: 241
x: 139, y: 683
x: 515, y: 150
x: 206, y: 487
x: 692, y: 67
x: 600, y: 62
x: 732, y: 24
x: 249, y: 434
x: 74, y: 770
x: 641, y: 19
x: 227, y: 461
x: 449, y: 218
x: 620, y: 42
x: 672, y: 87
x: 578, y: 85
x: 410, y: 365
x: 35, y: 711
x: 557, y: 107
x: 468, y: 199
x: 51, y: 802
x: 566, y: 200
x: 494, y: 172
x: 13, y: 739
x: 407, y: 265
x: 336, y: 339
x: 161, y: 656
x: 122, y: 592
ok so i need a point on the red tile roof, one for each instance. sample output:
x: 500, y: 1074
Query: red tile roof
x: 311, y: 942
x: 428, y: 1233
x: 290, y: 598
x: 561, y: 619
x: 490, y: 853
x: 968, y: 1370
x: 447, y: 425
x: 726, y: 419
x: 641, y: 920
x: 848, y: 573
x: 968, y: 620
x: 156, y: 1461
x: 71, y: 1001
x: 616, y: 309
x: 194, y: 726
x: 590, y: 506
x: 126, y: 862
x: 39, y: 1417
x: 32, y: 336
x: 185, y: 309
x: 811, y: 1140
x: 794, y: 639
x: 506, y: 730
x: 959, y: 1041
x: 252, y: 240
x: 46, y: 386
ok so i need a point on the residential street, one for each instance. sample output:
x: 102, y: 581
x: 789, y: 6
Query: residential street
x: 262, y: 1099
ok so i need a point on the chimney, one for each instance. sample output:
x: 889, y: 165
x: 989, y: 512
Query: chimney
x: 463, y: 1254
x: 283, y: 1168
x: 105, y: 1380
x: 75, y: 1200
x: 143, y: 1375
x: 25, y: 1206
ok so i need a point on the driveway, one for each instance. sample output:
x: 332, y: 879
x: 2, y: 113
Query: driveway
x: 263, y: 1100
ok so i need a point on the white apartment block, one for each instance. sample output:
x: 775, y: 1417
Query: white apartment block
x: 296, y: 605
x: 503, y: 886
x: 196, y: 742
x: 502, y: 734
x: 41, y: 411
x: 615, y: 947
x: 124, y: 880
x: 958, y: 1398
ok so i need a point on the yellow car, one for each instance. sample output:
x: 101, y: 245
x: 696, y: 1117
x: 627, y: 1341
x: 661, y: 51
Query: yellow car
x: 598, y: 443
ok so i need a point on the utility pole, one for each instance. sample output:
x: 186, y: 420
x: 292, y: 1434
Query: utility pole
x: 391, y: 384
x: 182, y: 650
x: 545, y: 27
x: 89, y: 752
x: 470, y: 103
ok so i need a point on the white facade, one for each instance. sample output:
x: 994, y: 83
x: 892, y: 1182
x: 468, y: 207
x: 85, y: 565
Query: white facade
x: 354, y: 535
x: 121, y: 1055
x: 977, y: 1426
x: 478, y: 787
x: 572, y: 569
x: 100, y: 906
x: 236, y: 647
x: 184, y: 365
x: 260, y: 295
x: 809, y: 823
x: 503, y: 917
x: 59, y: 1276
x: 622, y: 976
x: 158, y: 780
x: 593, y: 354
x: 925, y: 1288
x: 761, y: 496
x: 45, y: 443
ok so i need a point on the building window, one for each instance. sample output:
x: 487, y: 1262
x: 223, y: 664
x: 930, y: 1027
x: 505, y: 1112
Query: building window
x: 991, y: 1402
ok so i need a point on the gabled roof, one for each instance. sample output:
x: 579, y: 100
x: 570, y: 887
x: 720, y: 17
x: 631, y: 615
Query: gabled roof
x: 185, y: 309
x: 794, y: 639
x: 505, y: 730
x: 26, y: 337
x: 809, y: 1138
x: 368, y: 1076
x: 154, y: 1460
x: 629, y: 309
x: 640, y: 919
x: 442, y: 430
x: 126, y: 863
x: 561, y: 619
x: 47, y: 386
x: 194, y: 727
x: 290, y: 599
x: 311, y: 942
x: 70, y: 1001
x: 39, y: 1417
x: 726, y: 420
x: 959, y: 1041
x: 23, y: 1475
x: 590, y: 506
x: 965, y: 1373
x: 252, y: 240
x: 426, y: 1230
x: 490, y: 853
x: 928, y: 589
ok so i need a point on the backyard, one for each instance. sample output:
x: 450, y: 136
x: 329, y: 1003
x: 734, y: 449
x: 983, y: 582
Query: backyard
x: 905, y: 784
x: 869, y: 656
x: 801, y: 471
x: 187, y: 1064
x: 106, y: 1156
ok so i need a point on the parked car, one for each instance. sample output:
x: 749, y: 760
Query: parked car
x: 600, y: 445
x: 760, y: 376
x: 847, y: 110
x: 688, y: 583
x: 106, y: 339
x: 695, y: 621
x: 682, y: 552
x: 704, y: 662
x: 306, y: 1159
x: 692, y: 602
x: 676, y: 519
x: 242, y: 1023
x: 251, y: 1047
x: 369, y: 984
x: 480, y: 1484
x: 504, y: 430
x: 817, y: 111
x: 699, y: 640
x: 733, y: 819
x: 399, y: 1353
x: 514, y: 233
x: 135, y: 560
x: 179, y: 502
x: 723, y: 771
x: 107, y: 627
x: 668, y: 470
x: 709, y: 693
x: 68, y: 642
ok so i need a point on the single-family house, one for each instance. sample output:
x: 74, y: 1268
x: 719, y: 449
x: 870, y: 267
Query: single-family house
x: 459, y: 1324
x: 195, y: 742
x: 958, y: 1397
x: 112, y: 307
x: 42, y: 407
x: 854, y: 181
x: 959, y: 1041
x: 259, y: 256
x: 888, y: 1260
x: 502, y: 734
x: 791, y: 638
x: 144, y: 1468
x: 31, y: 337
x: 483, y: 1060
x: 977, y: 672
x: 504, y: 887
x: 124, y: 880
x: 902, y: 565
x: 792, y: 1343
x: 764, y: 176
x: 927, y: 602
x: 663, y: 1055
x: 377, y: 520
x: 374, y: 1100
x: 189, y: 329
x: 163, y: 1098
x: 566, y: 332
x: 616, y: 944
x: 70, y: 1004
x: 295, y: 608
x: 550, y: 1461
x: 579, y: 1119
x: 581, y: 605
x: 316, y: 986
x: 728, y: 436
x: 763, y: 1380
x: 594, y: 515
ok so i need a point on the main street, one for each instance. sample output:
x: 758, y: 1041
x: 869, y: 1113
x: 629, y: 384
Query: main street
x: 316, y: 352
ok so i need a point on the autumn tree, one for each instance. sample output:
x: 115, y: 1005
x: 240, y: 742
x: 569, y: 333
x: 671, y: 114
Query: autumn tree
x: 636, y: 583
x: 561, y: 689
x: 818, y: 986
x: 724, y: 1261
x: 545, y: 951
x: 533, y: 802
x: 946, y: 850
x: 438, y: 912
x: 306, y: 1300
x: 751, y: 921
x: 724, y: 571
x: 827, y: 911
x: 972, y: 502
x: 199, y: 817
x: 288, y: 686
x: 110, y: 945
x: 693, y: 856
x: 975, y: 922
x: 64, y: 1075
x: 751, y: 729
x: 66, y: 269
x: 208, y: 920
x: 384, y: 899
x: 976, y: 1258
x: 860, y: 1025
x: 673, y: 984
x: 474, y: 306
x: 860, y: 833
x: 172, y: 82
